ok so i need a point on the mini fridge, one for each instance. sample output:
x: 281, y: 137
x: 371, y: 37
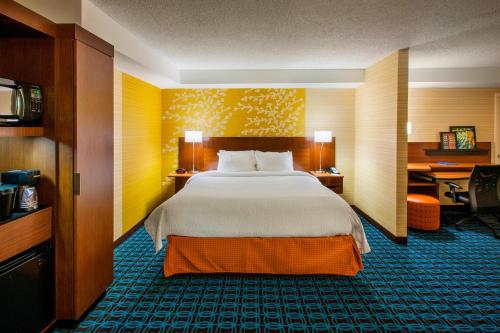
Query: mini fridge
x: 27, y: 291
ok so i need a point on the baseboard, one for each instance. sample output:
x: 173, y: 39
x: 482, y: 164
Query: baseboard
x: 387, y: 233
x: 129, y: 233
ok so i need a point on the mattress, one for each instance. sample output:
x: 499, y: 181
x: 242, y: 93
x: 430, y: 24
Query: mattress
x: 255, y: 204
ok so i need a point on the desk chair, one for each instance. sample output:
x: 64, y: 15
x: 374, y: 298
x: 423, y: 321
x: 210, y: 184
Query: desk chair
x: 483, y: 196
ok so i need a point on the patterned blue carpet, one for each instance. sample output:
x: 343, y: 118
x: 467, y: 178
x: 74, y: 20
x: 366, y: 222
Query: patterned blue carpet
x: 444, y: 281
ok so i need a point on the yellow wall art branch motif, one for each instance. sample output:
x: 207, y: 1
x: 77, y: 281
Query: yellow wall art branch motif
x: 228, y: 112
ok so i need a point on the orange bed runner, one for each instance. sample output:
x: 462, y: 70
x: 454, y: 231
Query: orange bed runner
x: 337, y: 255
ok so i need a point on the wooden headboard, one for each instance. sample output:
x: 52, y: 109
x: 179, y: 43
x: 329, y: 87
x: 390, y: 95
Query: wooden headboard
x: 305, y: 151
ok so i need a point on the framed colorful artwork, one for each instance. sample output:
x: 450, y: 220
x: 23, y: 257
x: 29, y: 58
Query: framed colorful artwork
x: 448, y: 140
x: 466, y: 136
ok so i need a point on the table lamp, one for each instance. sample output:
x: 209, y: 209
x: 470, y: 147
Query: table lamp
x: 193, y: 137
x: 322, y: 137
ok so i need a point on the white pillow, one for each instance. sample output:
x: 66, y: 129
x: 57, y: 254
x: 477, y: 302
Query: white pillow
x: 236, y: 161
x: 270, y: 161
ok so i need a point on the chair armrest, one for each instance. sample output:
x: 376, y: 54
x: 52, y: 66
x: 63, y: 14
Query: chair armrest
x: 453, y: 189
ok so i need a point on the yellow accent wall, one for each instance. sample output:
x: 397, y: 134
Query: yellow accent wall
x: 228, y: 112
x: 381, y: 143
x: 141, y: 150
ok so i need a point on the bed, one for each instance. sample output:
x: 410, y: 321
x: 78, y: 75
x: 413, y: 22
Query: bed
x: 273, y: 222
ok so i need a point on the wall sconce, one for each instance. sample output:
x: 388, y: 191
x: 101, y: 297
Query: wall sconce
x: 409, y: 128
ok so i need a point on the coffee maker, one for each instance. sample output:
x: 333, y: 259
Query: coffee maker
x: 26, y: 181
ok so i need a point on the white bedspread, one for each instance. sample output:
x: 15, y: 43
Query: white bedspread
x: 255, y: 204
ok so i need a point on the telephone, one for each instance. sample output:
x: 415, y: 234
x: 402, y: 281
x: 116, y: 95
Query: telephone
x: 332, y: 170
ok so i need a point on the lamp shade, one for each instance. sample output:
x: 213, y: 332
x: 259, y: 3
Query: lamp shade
x: 322, y: 136
x: 193, y: 136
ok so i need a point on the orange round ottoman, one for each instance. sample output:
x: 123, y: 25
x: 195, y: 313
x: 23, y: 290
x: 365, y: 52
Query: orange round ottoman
x: 423, y: 212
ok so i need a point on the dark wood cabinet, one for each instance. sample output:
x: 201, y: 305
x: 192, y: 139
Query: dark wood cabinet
x: 73, y: 149
x: 27, y: 54
x: 84, y: 128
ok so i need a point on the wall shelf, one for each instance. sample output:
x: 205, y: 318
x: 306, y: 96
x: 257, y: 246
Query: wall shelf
x: 456, y: 152
x: 20, y: 131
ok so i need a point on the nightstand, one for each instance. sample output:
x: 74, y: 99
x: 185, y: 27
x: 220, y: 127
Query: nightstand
x: 334, y: 182
x: 180, y: 179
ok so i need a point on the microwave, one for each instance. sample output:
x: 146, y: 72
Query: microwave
x: 20, y: 103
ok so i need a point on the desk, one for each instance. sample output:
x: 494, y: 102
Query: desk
x: 446, y: 175
x: 425, y: 172
x: 423, y: 167
x: 423, y: 177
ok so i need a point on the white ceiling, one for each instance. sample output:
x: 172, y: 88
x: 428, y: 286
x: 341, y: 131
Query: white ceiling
x: 313, y: 34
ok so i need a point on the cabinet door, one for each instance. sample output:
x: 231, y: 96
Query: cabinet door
x: 93, y: 158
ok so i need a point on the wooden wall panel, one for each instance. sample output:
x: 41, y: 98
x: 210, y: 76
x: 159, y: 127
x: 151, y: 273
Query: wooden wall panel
x: 305, y: 152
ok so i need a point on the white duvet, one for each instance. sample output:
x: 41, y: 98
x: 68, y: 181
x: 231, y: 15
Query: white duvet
x: 255, y: 204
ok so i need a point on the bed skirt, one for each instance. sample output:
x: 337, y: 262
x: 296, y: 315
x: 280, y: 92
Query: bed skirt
x: 337, y: 255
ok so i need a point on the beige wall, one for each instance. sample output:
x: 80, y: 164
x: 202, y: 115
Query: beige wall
x: 381, y: 143
x: 117, y: 171
x: 434, y: 110
x: 333, y: 109
x: 59, y: 11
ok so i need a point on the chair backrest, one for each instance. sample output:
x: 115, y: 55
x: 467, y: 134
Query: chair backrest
x: 484, y: 188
